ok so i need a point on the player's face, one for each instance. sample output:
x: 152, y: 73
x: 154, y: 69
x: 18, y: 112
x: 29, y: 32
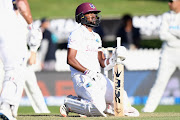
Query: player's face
x: 174, y: 4
x: 46, y: 24
x: 91, y: 17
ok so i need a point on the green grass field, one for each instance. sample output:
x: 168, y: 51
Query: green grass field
x: 163, y: 112
x: 109, y: 8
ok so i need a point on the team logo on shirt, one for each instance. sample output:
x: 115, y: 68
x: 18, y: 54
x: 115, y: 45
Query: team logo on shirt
x: 88, y: 85
x: 174, y: 27
x: 91, y: 48
x: 97, y: 40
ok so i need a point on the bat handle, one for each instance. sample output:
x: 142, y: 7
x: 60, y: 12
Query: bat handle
x: 118, y: 41
x: 118, y: 45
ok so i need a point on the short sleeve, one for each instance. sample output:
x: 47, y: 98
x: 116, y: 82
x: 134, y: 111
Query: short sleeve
x: 73, y: 41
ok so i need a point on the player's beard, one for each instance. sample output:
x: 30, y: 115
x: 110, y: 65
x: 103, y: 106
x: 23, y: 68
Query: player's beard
x: 93, y: 23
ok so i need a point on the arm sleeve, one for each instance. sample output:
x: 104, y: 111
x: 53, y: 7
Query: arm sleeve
x: 165, y: 35
x: 73, y: 41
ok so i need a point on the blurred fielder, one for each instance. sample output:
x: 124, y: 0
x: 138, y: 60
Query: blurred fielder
x: 31, y: 87
x: 14, y: 55
x: 170, y: 55
x: 85, y: 57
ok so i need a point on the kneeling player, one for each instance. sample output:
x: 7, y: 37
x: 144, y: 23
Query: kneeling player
x: 85, y: 57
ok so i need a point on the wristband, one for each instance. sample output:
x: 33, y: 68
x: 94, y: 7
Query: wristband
x: 105, y: 62
x: 86, y: 71
x: 30, y: 26
x: 111, y: 60
x: 34, y: 48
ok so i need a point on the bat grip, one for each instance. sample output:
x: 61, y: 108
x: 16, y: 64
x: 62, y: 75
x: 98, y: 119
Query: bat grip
x: 118, y: 45
x: 118, y: 41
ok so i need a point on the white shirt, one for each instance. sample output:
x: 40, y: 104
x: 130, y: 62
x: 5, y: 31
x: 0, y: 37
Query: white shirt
x: 12, y: 37
x: 87, y: 45
x: 6, y: 5
x: 170, y: 29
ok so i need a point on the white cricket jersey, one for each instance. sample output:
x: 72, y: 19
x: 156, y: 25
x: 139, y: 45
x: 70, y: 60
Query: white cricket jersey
x: 170, y: 29
x: 6, y: 4
x: 87, y: 45
x: 12, y: 37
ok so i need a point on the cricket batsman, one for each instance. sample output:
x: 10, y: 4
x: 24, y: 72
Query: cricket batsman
x: 85, y: 57
x: 13, y: 55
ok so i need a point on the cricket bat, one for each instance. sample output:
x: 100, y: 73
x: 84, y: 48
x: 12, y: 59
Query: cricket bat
x: 118, y: 85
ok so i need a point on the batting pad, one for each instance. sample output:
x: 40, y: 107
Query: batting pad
x: 82, y: 106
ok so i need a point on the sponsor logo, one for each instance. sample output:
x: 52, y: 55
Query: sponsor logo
x: 117, y: 87
x: 118, y: 110
x: 118, y: 73
x: 88, y: 85
x: 97, y: 40
x: 91, y: 48
x: 174, y: 27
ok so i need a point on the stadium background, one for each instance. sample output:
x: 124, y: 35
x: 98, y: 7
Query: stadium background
x: 141, y: 64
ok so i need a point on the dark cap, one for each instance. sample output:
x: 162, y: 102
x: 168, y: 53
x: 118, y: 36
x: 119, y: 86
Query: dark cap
x: 44, y: 20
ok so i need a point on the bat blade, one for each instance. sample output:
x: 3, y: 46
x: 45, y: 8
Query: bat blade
x: 118, y: 85
x: 118, y: 90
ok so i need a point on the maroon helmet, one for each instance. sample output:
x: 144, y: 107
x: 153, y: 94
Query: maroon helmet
x: 86, y: 8
x: 83, y: 9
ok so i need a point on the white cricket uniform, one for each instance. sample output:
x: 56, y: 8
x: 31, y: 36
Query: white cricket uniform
x: 31, y: 87
x: 99, y: 92
x: 6, y: 5
x: 12, y: 54
x: 86, y: 43
x: 169, y: 60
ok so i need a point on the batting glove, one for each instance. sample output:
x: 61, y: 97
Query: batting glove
x: 34, y: 38
x: 112, y: 62
x: 121, y: 53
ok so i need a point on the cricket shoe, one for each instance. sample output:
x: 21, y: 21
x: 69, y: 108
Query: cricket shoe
x: 5, y: 112
x: 109, y: 110
x: 147, y: 110
x: 64, y: 110
x: 14, y: 111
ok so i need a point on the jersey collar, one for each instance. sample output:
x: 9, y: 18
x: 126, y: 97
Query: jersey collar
x: 85, y: 29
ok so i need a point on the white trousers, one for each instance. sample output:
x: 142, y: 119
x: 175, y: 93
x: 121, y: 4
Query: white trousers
x: 33, y: 92
x: 99, y: 92
x: 12, y: 56
x: 169, y: 61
